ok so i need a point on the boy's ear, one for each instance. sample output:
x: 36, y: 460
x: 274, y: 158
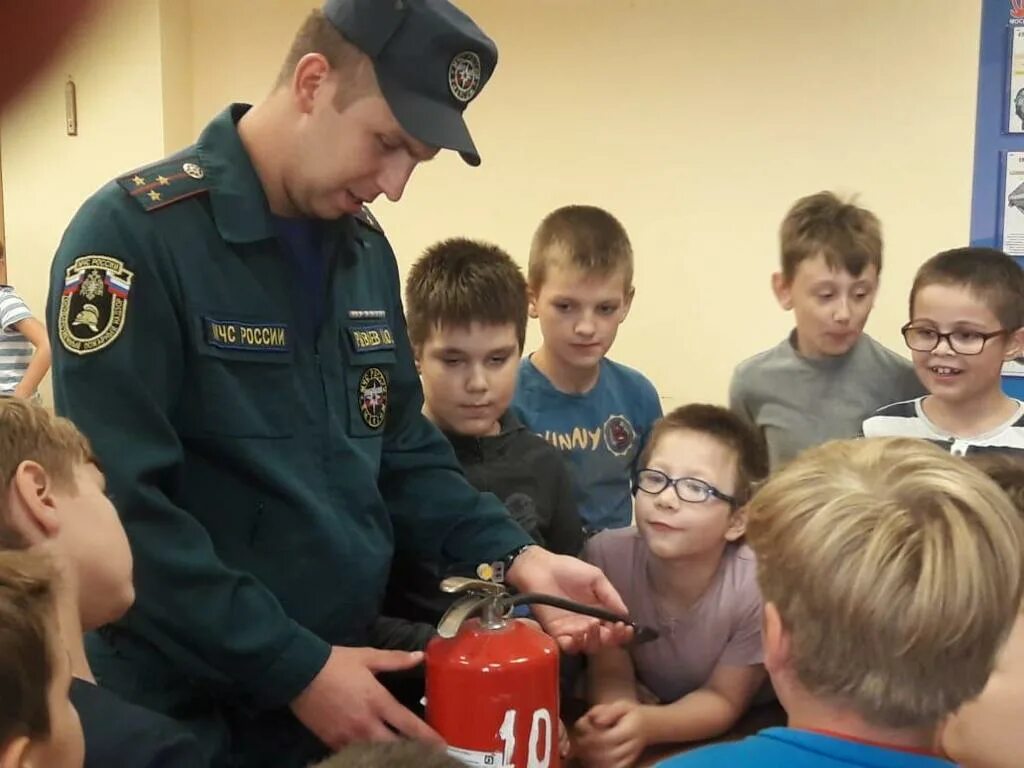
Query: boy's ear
x: 531, y: 307
x: 32, y: 503
x: 628, y: 302
x: 737, y: 524
x: 1014, y: 345
x: 775, y: 640
x: 15, y: 753
x: 783, y: 290
x: 417, y: 353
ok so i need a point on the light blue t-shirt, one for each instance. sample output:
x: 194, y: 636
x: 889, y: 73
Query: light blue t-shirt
x: 791, y: 748
x: 600, y: 432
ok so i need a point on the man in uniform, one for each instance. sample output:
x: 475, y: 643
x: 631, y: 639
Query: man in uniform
x: 228, y: 332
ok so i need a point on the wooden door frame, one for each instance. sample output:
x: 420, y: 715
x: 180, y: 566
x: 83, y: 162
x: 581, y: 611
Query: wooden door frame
x: 3, y: 239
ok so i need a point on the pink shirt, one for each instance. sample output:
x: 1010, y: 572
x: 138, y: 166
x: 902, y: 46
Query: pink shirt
x: 722, y: 627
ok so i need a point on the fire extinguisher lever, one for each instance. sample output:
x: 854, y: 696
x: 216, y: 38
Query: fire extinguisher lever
x: 455, y: 585
x: 488, y: 598
x: 641, y: 634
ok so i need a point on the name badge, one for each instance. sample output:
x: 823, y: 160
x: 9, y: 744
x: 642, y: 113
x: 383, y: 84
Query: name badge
x: 370, y: 338
x: 248, y: 337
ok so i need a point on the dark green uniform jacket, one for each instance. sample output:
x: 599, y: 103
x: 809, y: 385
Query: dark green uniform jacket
x: 265, y: 474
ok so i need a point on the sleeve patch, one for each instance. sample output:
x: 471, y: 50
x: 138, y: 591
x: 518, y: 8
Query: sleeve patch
x: 93, y: 304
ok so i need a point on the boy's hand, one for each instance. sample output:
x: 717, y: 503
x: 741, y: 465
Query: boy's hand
x: 537, y: 570
x: 611, y: 735
x: 564, y: 743
x: 345, y: 703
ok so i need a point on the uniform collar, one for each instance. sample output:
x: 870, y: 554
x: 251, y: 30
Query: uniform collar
x: 240, y: 207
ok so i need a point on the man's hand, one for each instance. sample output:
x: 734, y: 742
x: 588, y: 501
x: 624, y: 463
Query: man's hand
x: 611, y: 735
x: 345, y: 703
x: 537, y: 570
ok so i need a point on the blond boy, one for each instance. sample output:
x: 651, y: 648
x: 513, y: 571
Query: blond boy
x: 55, y: 503
x: 38, y: 724
x: 821, y: 381
x: 595, y: 411
x: 892, y: 575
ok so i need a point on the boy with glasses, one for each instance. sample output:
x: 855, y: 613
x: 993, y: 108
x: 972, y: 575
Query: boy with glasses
x: 685, y: 571
x: 966, y: 318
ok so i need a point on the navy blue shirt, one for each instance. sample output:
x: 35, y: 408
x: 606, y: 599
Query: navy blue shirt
x: 303, y: 242
x: 128, y: 736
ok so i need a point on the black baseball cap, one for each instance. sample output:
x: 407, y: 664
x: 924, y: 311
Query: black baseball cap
x: 431, y: 60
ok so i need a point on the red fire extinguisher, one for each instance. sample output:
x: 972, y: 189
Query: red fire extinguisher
x: 492, y: 681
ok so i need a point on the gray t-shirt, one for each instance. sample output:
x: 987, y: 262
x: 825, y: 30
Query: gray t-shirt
x: 798, y: 402
x: 722, y: 627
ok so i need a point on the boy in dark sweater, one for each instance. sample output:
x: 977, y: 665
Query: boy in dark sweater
x: 466, y: 308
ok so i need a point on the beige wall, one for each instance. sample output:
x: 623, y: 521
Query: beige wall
x: 697, y: 122
x: 115, y: 63
x: 175, y: 27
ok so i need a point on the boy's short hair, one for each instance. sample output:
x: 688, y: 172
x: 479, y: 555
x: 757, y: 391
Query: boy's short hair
x: 724, y: 426
x: 989, y: 274
x: 585, y: 237
x: 28, y: 626
x: 458, y: 282
x: 395, y: 754
x: 30, y: 432
x: 897, y: 571
x: 848, y: 236
x: 1006, y: 469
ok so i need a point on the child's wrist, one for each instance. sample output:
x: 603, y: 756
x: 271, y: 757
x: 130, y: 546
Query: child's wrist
x: 655, y: 725
x: 643, y: 715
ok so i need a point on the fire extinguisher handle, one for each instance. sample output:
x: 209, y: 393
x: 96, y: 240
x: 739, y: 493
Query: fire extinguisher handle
x: 641, y: 634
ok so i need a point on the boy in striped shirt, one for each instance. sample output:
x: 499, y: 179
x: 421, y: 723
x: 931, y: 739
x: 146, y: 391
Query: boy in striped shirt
x: 24, y: 347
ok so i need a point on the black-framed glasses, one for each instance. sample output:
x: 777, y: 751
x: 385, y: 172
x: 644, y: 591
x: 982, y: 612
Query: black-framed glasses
x: 688, y: 489
x: 921, y: 338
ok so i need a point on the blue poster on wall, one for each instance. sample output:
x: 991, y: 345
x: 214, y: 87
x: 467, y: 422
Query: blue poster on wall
x: 997, y: 198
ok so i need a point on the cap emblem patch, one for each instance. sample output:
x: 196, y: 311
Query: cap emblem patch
x: 464, y: 75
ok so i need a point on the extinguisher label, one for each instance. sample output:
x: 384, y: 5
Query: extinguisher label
x: 477, y: 759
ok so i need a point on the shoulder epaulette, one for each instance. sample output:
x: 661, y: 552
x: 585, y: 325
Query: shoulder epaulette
x: 367, y: 219
x: 166, y: 182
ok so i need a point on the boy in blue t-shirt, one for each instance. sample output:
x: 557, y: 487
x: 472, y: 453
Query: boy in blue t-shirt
x: 891, y: 574
x: 595, y: 411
